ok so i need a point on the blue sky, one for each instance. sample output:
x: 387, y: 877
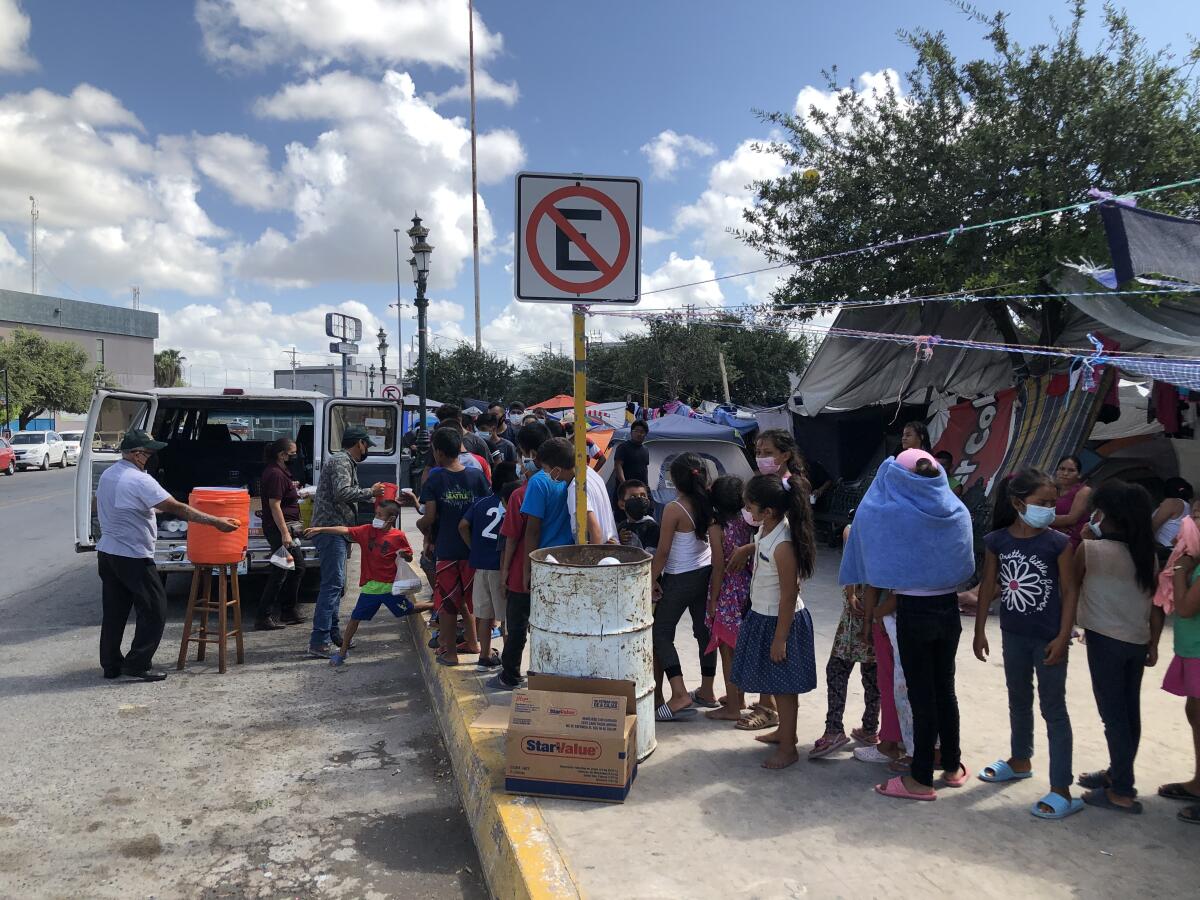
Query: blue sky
x: 244, y: 161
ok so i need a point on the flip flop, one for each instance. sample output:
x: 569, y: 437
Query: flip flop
x: 1189, y: 814
x: 958, y: 779
x: 1176, y: 791
x: 1099, y: 797
x: 700, y: 701
x: 665, y: 714
x: 760, y: 717
x: 1061, y: 807
x: 1000, y: 771
x: 866, y: 738
x: 823, y: 746
x: 442, y: 661
x: 895, y: 789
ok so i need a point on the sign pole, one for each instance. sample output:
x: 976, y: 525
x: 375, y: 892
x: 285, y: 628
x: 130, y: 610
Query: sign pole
x: 581, y: 460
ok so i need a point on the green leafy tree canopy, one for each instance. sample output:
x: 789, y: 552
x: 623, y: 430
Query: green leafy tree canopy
x: 465, y: 372
x: 1020, y: 130
x: 45, y: 375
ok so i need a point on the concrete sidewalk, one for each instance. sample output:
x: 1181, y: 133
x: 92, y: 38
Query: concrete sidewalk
x: 704, y: 820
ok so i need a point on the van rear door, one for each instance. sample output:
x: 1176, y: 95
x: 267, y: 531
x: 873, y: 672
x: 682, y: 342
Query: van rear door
x: 112, y: 414
x: 381, y: 420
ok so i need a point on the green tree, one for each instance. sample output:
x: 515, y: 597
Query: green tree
x: 544, y: 376
x: 45, y: 375
x: 168, y: 368
x: 1022, y: 129
x: 763, y: 360
x: 465, y: 372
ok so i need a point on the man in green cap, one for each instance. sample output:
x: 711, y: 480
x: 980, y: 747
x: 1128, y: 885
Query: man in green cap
x: 127, y: 497
x: 338, y: 493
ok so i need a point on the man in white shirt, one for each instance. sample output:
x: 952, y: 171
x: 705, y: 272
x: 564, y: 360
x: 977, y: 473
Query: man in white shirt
x: 126, y: 499
x: 602, y: 525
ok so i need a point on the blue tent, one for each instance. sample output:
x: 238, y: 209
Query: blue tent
x: 681, y: 428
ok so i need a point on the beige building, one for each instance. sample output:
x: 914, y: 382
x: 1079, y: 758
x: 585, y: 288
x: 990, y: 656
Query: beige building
x: 118, y: 338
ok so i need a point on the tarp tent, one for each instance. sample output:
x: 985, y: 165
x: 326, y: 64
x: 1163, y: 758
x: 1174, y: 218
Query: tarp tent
x: 562, y: 401
x: 718, y: 446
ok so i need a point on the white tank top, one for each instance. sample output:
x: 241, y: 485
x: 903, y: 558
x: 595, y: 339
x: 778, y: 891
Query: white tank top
x: 1169, y: 530
x: 688, y: 552
x: 764, y: 584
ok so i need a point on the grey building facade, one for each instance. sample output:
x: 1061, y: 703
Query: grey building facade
x: 328, y: 380
x: 120, y: 339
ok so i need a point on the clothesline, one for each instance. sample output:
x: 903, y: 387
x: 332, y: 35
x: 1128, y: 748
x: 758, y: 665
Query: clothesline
x: 948, y: 233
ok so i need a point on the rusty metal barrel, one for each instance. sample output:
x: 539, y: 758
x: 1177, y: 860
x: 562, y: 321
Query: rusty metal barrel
x: 594, y: 621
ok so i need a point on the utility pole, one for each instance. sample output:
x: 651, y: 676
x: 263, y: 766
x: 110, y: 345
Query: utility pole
x: 645, y: 394
x: 724, y: 375
x: 33, y: 260
x: 292, y: 353
x: 474, y: 166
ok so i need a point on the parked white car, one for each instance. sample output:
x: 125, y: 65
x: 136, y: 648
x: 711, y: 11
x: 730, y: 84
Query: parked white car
x: 72, y: 439
x: 39, y: 450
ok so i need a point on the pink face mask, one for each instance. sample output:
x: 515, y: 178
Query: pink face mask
x: 766, y: 464
x: 749, y: 519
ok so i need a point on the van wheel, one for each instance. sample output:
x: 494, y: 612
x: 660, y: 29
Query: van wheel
x: 45, y: 466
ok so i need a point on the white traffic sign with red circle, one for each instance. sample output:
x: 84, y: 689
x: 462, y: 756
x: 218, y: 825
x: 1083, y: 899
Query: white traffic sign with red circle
x: 391, y: 392
x: 578, y: 239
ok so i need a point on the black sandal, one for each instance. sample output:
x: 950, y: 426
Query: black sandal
x: 1093, y: 780
x: 1189, y: 814
x: 1099, y: 797
x: 1176, y: 791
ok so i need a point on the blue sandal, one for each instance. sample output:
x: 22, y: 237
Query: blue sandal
x: 1061, y: 807
x: 1001, y: 771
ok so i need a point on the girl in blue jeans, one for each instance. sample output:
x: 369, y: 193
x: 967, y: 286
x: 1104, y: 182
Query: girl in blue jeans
x: 1030, y: 566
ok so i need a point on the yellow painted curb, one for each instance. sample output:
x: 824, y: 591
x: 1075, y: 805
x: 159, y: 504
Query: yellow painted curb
x: 520, y: 857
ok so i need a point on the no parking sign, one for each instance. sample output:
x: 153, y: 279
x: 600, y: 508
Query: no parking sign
x: 578, y: 239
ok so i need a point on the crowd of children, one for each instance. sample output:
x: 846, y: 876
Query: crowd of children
x: 733, y: 556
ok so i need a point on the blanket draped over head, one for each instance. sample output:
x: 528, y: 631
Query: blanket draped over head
x: 909, y: 533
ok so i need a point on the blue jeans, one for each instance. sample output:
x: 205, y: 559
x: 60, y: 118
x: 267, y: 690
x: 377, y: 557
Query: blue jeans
x: 1023, y: 656
x: 1117, y: 668
x: 333, y: 550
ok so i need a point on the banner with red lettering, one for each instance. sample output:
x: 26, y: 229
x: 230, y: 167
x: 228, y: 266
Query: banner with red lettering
x: 978, y: 435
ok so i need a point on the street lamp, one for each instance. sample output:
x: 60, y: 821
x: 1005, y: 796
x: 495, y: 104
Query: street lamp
x: 383, y: 348
x: 371, y: 379
x: 422, y: 250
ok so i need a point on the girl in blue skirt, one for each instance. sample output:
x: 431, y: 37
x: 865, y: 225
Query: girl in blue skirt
x: 774, y: 653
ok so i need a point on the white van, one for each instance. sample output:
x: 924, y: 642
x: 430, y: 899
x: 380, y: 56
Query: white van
x: 215, y: 438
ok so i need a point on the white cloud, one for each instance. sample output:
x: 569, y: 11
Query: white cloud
x: 486, y: 88
x: 654, y: 236
x: 237, y: 335
x: 669, y: 151
x: 446, y: 311
x: 115, y: 209
x: 241, y: 168
x: 869, y: 85
x: 314, y: 34
x: 719, y: 209
x: 14, y: 36
x: 386, y: 152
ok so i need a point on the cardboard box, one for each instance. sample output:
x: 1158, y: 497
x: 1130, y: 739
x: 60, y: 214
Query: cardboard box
x: 571, y: 737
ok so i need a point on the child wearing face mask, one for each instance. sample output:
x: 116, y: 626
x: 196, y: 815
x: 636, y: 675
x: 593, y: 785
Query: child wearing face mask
x: 638, y: 528
x: 380, y: 542
x: 1030, y: 566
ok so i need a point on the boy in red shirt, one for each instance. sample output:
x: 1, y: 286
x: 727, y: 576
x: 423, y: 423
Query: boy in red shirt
x: 380, y: 543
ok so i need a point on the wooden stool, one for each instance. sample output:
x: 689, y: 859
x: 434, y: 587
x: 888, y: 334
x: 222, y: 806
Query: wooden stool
x: 202, y: 603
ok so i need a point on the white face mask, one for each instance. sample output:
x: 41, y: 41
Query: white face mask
x: 1094, y: 524
x: 378, y: 523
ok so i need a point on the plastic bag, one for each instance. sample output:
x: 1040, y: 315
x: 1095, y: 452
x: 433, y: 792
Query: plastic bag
x: 283, y: 559
x: 406, y: 579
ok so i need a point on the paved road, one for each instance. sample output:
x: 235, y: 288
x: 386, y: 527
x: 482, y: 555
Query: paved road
x: 280, y: 778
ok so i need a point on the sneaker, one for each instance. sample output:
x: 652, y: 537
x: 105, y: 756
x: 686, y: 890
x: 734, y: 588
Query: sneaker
x: 337, y: 660
x: 501, y: 684
x: 147, y: 675
x: 325, y: 651
x: 871, y: 754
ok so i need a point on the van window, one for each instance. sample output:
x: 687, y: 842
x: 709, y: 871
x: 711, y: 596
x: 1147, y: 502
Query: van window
x: 379, y: 421
x: 118, y: 415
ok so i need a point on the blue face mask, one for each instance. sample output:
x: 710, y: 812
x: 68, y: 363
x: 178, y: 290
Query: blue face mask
x: 1038, y: 516
x: 529, y: 466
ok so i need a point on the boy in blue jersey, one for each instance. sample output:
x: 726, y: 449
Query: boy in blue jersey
x: 480, y: 531
x: 545, y: 501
